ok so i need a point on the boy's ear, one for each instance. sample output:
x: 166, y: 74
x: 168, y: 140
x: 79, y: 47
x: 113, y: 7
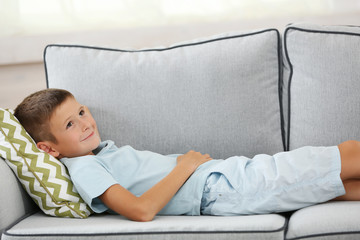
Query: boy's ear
x: 46, y: 147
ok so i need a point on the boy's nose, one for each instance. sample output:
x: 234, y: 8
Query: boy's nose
x: 84, y: 125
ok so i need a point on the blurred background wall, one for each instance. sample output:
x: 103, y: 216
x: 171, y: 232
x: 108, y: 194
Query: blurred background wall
x: 27, y: 26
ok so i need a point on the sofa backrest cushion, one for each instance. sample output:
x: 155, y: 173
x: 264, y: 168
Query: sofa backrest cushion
x: 217, y: 95
x: 322, y: 79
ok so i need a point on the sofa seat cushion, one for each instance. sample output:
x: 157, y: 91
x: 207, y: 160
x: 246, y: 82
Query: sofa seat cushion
x: 105, y: 226
x: 332, y: 220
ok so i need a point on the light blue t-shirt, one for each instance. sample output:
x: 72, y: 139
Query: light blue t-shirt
x: 137, y: 171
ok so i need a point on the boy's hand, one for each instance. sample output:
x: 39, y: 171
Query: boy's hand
x: 193, y: 159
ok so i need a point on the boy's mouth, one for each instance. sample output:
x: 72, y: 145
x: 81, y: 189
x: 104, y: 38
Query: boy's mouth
x: 90, y: 135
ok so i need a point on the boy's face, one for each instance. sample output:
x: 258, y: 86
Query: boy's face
x: 74, y: 129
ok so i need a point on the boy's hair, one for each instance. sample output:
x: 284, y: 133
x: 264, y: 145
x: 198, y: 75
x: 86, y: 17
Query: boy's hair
x: 35, y: 111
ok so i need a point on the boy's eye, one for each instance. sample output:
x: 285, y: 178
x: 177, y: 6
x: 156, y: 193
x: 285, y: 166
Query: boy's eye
x: 82, y: 112
x: 69, y: 125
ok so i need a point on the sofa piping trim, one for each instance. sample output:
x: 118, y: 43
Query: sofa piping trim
x: 279, y: 53
x: 324, y: 235
x: 291, y: 66
x: 4, y: 231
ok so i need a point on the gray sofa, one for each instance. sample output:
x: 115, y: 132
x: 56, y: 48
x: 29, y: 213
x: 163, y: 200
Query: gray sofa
x: 232, y: 94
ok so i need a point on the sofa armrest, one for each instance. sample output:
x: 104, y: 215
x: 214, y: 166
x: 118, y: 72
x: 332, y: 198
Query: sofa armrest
x: 14, y: 201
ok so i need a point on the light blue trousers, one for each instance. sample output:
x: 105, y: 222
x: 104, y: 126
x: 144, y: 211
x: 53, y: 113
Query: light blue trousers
x: 267, y: 184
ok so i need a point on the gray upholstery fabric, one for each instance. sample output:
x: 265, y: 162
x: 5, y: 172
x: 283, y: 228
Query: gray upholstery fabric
x: 333, y: 220
x: 14, y: 201
x: 322, y: 75
x: 217, y: 95
x: 39, y: 226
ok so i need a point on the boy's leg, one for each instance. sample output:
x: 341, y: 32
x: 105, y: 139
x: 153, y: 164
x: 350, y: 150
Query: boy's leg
x: 352, y: 188
x: 350, y: 160
x: 350, y: 170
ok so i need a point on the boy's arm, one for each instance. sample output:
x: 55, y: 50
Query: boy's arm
x: 145, y: 207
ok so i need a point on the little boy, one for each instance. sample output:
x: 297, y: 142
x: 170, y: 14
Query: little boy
x: 141, y: 184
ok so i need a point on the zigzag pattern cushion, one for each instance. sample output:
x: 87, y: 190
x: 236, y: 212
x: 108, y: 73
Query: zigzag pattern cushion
x: 44, y: 177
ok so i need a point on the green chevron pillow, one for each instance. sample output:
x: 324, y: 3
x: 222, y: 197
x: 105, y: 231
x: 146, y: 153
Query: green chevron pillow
x: 44, y: 177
